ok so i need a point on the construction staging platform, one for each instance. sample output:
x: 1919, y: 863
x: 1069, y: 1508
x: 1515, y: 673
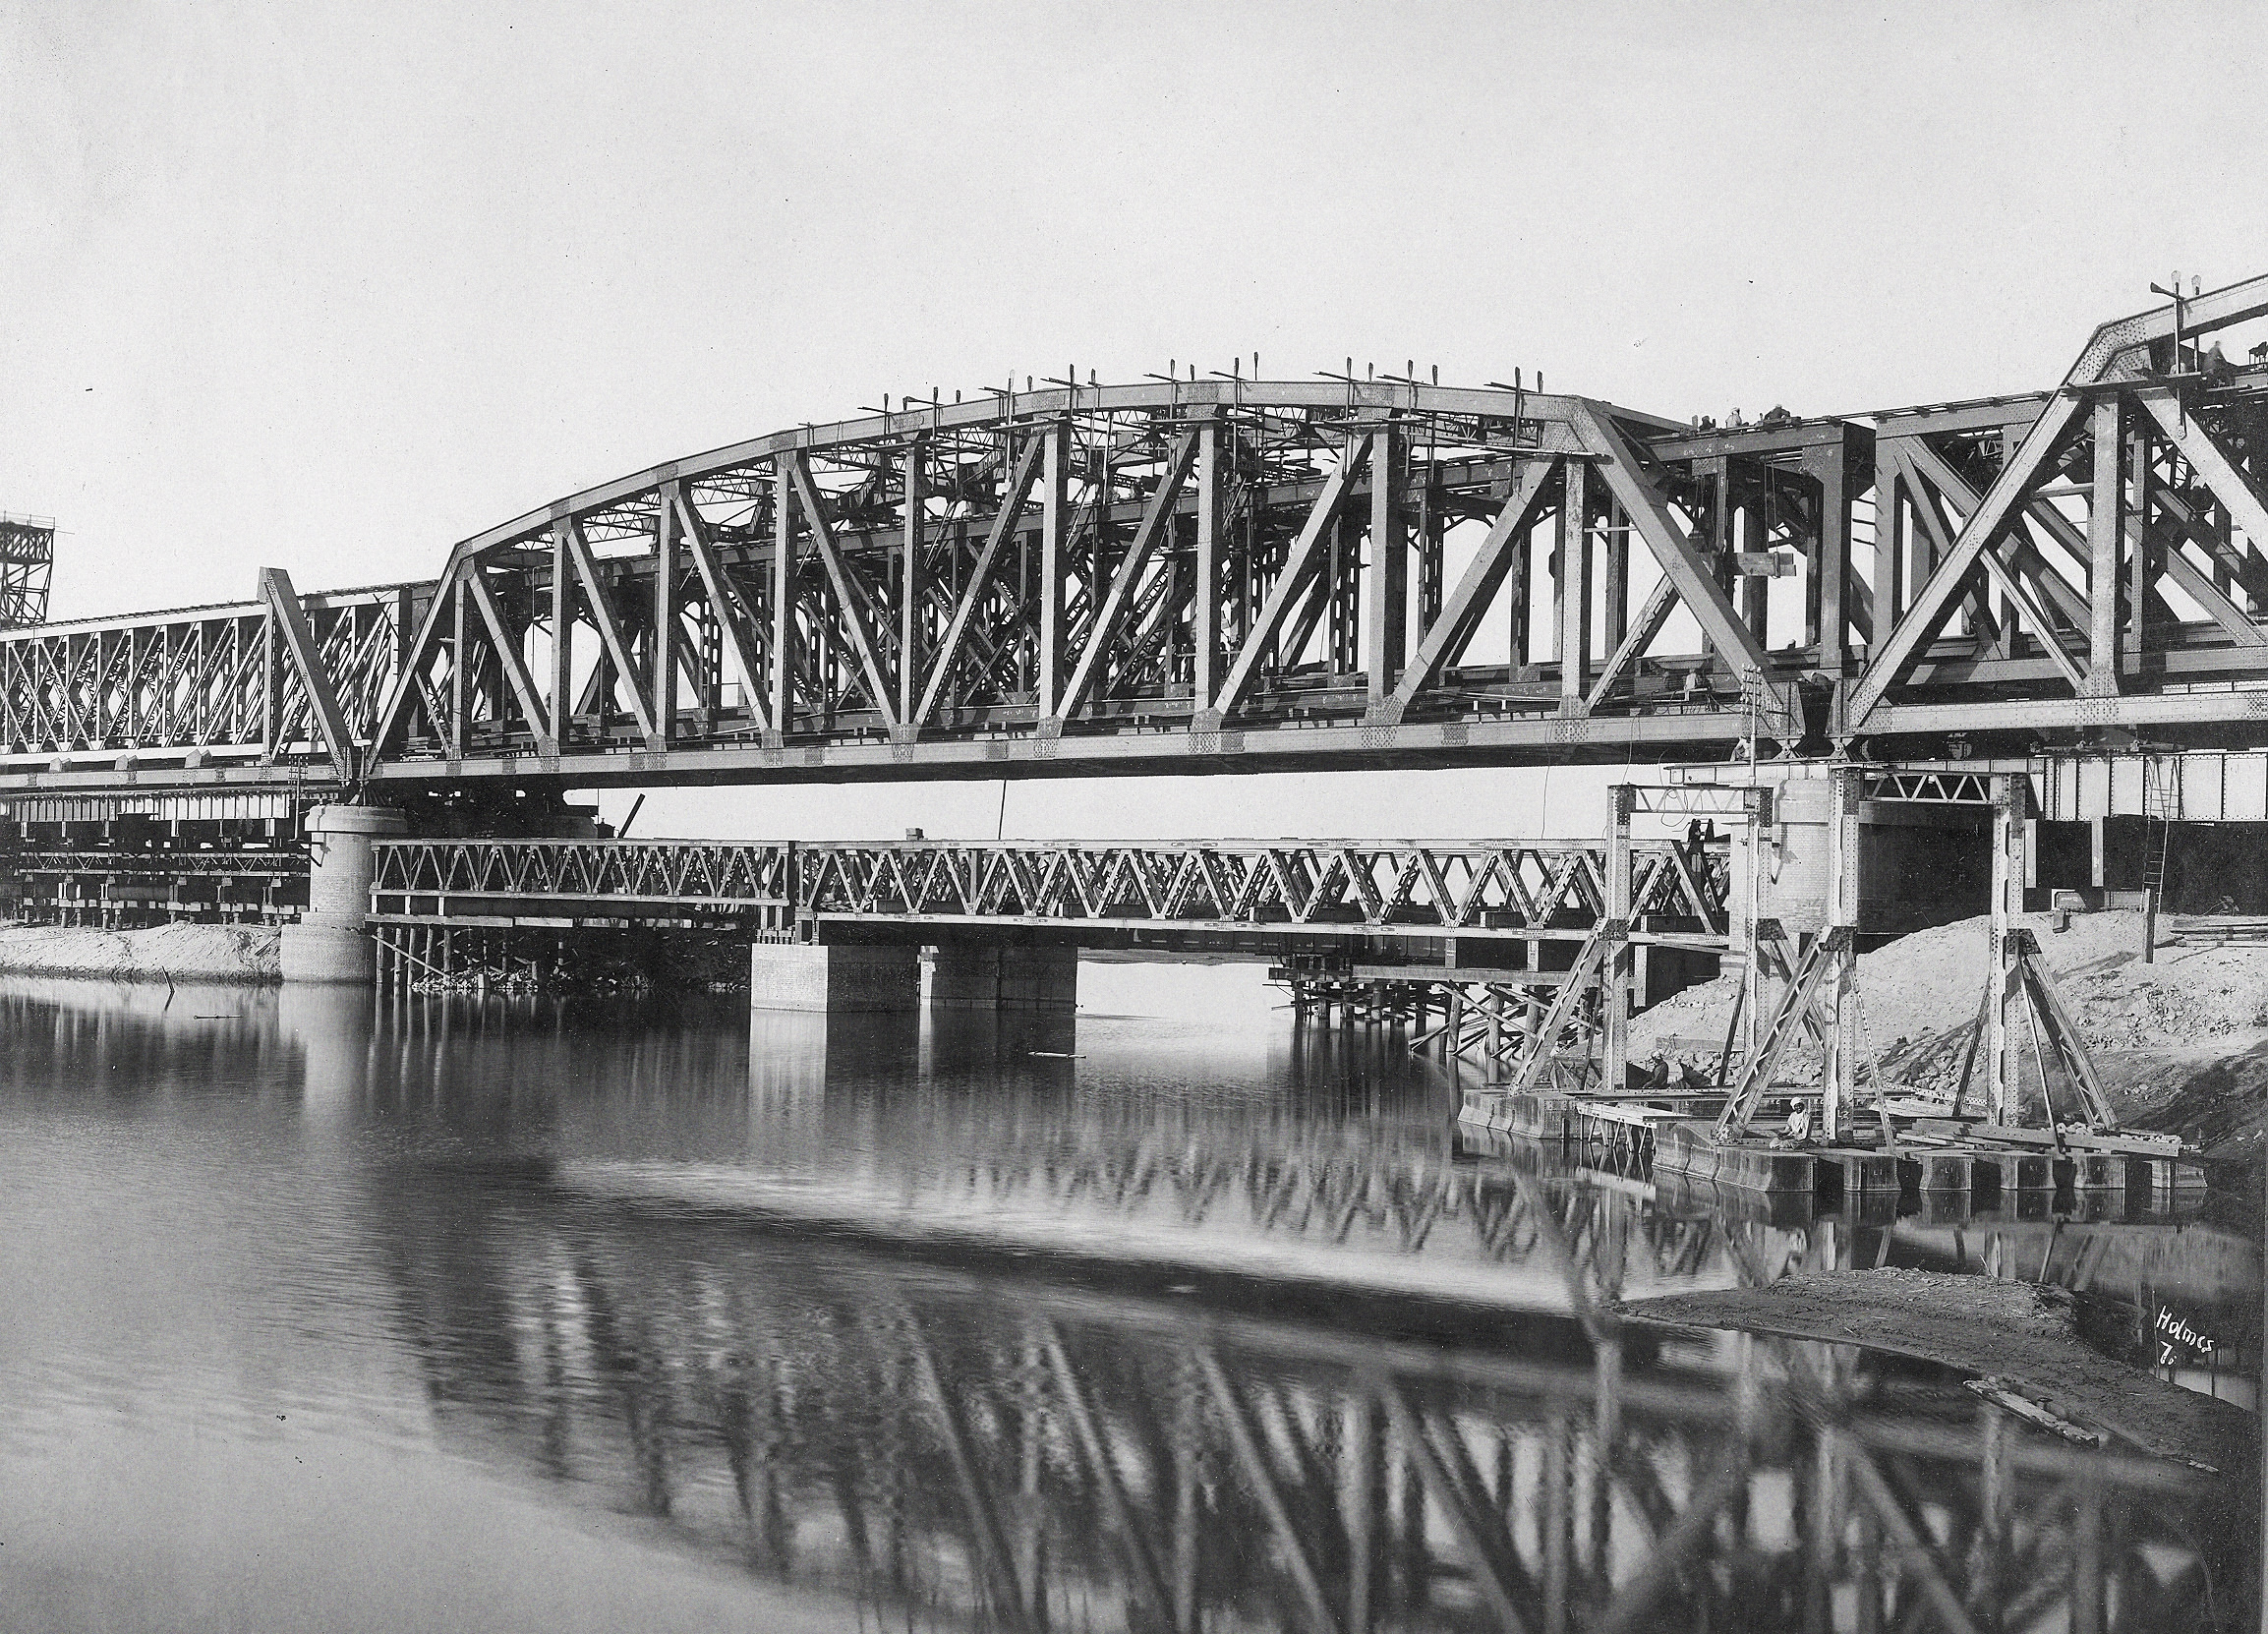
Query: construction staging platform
x: 1793, y: 1102
x: 1956, y: 1165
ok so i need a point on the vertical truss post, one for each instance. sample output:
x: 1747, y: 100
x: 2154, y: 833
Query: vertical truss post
x: 1053, y: 546
x: 2003, y: 973
x: 1889, y: 553
x: 1830, y: 468
x: 1620, y: 953
x: 1571, y: 560
x: 663, y: 646
x: 1389, y: 574
x: 2138, y: 556
x: 2106, y: 537
x: 1338, y: 596
x: 1205, y: 595
x: 1717, y: 517
x: 1432, y: 537
x: 1751, y: 887
x: 562, y: 638
x: 1839, y: 1079
x: 404, y: 621
x: 910, y: 590
x: 1754, y: 540
x: 1556, y: 1517
x: 1616, y: 576
x: 782, y: 596
x: 1519, y: 596
x: 272, y: 689
x: 461, y: 664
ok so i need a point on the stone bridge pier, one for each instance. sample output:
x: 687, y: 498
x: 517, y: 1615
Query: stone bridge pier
x: 853, y: 978
x: 329, y: 942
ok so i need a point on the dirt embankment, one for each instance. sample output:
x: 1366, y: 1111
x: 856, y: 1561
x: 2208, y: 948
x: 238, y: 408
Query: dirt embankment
x: 157, y: 952
x: 2182, y: 1043
x: 2022, y: 1336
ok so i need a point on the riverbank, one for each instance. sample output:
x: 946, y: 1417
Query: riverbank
x: 2022, y: 1337
x: 154, y: 953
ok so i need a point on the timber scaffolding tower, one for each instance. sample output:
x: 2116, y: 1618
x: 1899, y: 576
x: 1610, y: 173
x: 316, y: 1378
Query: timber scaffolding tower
x: 1795, y: 1103
x: 27, y: 558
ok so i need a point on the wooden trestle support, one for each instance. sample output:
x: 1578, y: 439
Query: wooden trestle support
x: 1545, y: 952
x: 1795, y: 1103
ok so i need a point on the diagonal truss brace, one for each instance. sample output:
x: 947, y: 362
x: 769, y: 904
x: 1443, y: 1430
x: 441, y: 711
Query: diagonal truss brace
x: 1919, y: 461
x: 515, y: 667
x: 852, y: 605
x: 2212, y: 461
x: 1299, y: 563
x: 1674, y: 553
x: 1483, y: 577
x: 726, y: 599
x: 288, y: 618
x: 1581, y: 978
x: 1012, y: 499
x: 1155, y: 520
x: 610, y: 627
x: 1994, y: 513
x: 1828, y: 953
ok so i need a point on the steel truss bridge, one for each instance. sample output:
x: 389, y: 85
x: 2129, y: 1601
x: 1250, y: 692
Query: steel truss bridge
x: 1475, y: 929
x: 1222, y: 575
x: 1511, y: 892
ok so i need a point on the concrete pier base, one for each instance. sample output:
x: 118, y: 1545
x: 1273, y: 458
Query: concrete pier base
x: 1004, y: 979
x: 329, y: 943
x: 833, y: 980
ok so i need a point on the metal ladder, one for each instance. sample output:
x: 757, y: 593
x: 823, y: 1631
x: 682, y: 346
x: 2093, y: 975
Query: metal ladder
x: 2161, y: 806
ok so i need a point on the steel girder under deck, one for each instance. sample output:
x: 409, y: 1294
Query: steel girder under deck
x: 1222, y: 575
x: 1490, y: 892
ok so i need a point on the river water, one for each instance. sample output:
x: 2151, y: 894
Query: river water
x: 321, y: 1312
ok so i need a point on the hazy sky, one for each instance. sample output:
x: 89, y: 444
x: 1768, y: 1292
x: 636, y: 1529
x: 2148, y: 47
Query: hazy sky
x: 330, y: 287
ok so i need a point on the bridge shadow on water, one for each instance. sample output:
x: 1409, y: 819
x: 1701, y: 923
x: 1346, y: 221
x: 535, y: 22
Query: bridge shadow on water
x: 1026, y: 1324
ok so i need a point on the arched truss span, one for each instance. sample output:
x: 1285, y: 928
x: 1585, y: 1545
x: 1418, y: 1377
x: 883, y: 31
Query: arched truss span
x: 1230, y: 574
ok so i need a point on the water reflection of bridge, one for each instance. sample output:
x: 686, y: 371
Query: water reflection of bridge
x: 930, y: 1439
x: 965, y: 1449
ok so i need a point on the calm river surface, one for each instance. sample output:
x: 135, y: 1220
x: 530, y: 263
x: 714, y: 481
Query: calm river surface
x: 323, y: 1314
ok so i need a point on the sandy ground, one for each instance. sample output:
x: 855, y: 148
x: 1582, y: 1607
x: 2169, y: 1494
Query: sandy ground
x: 183, y: 952
x: 2018, y: 1332
x: 2182, y: 1043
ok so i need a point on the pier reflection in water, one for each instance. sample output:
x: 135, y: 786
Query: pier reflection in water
x: 1146, y: 1326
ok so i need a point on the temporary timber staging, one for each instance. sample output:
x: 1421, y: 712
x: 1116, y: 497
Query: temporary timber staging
x: 1795, y: 1103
